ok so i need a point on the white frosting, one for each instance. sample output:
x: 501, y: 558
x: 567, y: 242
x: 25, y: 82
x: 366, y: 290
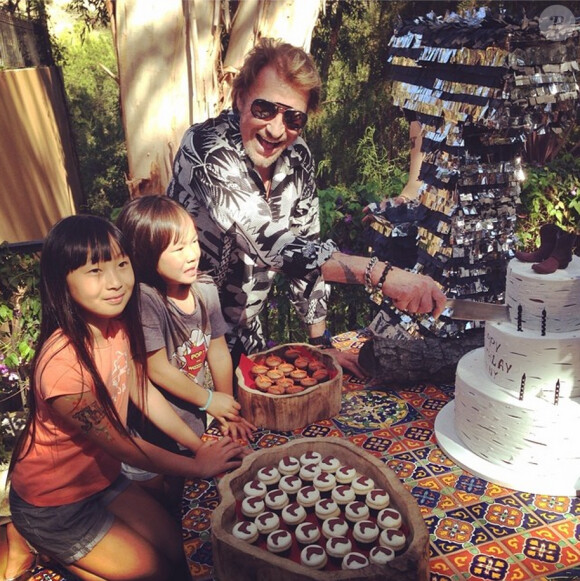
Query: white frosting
x: 509, y: 354
x: 496, y: 425
x: 558, y: 294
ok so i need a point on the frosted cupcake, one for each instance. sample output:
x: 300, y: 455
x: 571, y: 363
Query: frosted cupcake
x: 381, y: 555
x: 389, y: 518
x: 246, y: 530
x: 269, y: 475
x: 310, y: 457
x: 290, y: 484
x: 343, y: 494
x: 252, y: 506
x: 324, y: 482
x: 308, y: 472
x: 377, y: 499
x: 279, y: 542
x: 330, y: 464
x: 338, y: 547
x: 355, y: 561
x: 314, y: 557
x: 355, y: 511
x: 308, y: 496
x: 255, y: 488
x: 334, y: 527
x: 345, y: 474
x: 393, y: 538
x: 307, y: 533
x: 362, y: 485
x: 326, y: 508
x: 267, y: 522
x: 276, y: 499
x: 288, y: 465
x: 293, y: 514
x: 365, y: 533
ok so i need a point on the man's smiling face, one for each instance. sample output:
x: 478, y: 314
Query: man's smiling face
x: 264, y: 141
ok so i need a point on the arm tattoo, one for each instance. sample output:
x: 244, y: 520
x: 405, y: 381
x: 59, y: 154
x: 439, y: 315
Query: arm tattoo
x: 90, y: 416
x: 349, y: 275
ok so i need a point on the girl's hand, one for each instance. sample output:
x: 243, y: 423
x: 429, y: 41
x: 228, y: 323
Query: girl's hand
x: 213, y: 458
x: 239, y: 430
x: 224, y: 407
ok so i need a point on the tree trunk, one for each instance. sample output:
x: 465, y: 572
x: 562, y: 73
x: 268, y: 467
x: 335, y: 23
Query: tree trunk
x: 171, y: 73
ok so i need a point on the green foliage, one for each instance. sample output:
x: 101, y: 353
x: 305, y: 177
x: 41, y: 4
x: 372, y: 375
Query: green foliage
x: 19, y: 320
x: 93, y: 98
x: 551, y: 193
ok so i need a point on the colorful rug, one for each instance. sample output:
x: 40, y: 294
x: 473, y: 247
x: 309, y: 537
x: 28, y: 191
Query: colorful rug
x: 478, y: 530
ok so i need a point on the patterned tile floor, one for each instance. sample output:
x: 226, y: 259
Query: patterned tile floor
x: 478, y: 530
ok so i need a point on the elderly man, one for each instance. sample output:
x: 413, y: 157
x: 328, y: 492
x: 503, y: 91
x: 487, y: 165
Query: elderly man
x: 247, y: 177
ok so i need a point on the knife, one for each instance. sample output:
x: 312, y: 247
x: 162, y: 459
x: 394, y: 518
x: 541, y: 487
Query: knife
x: 467, y: 310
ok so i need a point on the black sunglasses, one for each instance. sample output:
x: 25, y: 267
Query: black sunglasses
x: 266, y: 111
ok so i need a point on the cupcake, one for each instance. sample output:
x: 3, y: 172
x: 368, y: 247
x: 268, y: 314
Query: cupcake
x: 365, y: 532
x: 343, y: 494
x: 290, y: 484
x: 307, y: 533
x: 279, y: 542
x: 276, y: 389
x: 258, y: 370
x: 377, y: 499
x: 269, y: 475
x: 321, y: 375
x: 345, y: 474
x: 274, y: 375
x: 310, y: 457
x: 314, y: 557
x: 289, y: 465
x: 286, y: 368
x: 356, y: 510
x: 272, y: 361
x: 294, y: 389
x: 263, y: 383
x: 255, y: 488
x: 393, y: 538
x: 308, y: 496
x: 267, y: 522
x: 389, y: 518
x: 285, y: 383
x: 291, y: 354
x: 298, y: 374
x: 355, y: 561
x: 252, y: 506
x: 334, y: 527
x: 276, y: 499
x: 324, y: 482
x: 381, y: 555
x: 308, y: 382
x: 330, y: 464
x: 326, y: 508
x: 362, y: 485
x: 309, y: 471
x: 338, y: 547
x: 293, y: 514
x: 301, y: 363
x: 246, y: 531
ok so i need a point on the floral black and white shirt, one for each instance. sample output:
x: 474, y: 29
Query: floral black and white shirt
x: 246, y: 238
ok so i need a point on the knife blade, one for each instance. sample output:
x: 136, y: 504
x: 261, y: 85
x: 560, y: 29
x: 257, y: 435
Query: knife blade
x: 466, y: 310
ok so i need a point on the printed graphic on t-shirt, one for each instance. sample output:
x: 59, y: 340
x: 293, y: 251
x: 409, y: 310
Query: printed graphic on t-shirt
x: 119, y: 374
x: 191, y: 354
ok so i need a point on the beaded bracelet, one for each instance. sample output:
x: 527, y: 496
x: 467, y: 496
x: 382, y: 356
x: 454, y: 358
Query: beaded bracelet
x: 208, y: 402
x: 377, y: 295
x: 368, y: 271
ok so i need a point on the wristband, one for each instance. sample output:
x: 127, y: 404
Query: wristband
x: 325, y: 340
x: 368, y: 271
x: 377, y: 295
x: 208, y: 402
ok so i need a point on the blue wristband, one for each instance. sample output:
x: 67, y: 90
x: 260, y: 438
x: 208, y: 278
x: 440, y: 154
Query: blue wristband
x: 208, y: 402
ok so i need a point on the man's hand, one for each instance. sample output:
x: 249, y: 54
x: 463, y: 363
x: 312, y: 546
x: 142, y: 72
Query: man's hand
x: 349, y: 361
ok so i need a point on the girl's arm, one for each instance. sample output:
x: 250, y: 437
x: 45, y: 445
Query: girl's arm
x: 85, y: 413
x: 223, y: 406
x: 221, y: 367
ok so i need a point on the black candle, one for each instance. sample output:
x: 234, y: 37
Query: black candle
x: 522, y: 386
x: 557, y: 392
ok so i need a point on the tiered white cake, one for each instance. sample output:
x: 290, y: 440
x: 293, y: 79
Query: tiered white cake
x: 516, y: 413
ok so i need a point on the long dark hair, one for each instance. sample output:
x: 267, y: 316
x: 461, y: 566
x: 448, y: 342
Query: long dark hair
x: 69, y: 244
x: 150, y: 224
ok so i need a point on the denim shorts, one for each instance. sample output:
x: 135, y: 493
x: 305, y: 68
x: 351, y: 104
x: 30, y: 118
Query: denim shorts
x: 70, y: 531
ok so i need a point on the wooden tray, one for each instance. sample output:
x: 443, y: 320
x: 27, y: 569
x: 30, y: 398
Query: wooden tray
x: 235, y: 559
x: 289, y: 412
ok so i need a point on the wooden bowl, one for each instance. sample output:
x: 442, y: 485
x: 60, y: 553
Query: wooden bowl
x: 242, y: 561
x: 289, y: 412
